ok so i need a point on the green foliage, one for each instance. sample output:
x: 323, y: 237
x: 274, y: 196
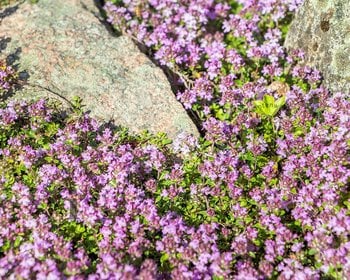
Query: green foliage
x: 269, y: 107
x: 192, y: 203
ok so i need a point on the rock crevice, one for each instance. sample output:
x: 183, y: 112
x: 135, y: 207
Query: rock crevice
x: 65, y: 48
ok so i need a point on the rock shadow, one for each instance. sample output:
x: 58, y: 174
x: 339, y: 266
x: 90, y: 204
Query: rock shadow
x: 101, y: 17
x: 172, y: 77
x: 173, y: 80
x: 7, y: 11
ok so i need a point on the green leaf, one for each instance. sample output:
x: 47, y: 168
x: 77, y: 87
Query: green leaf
x: 268, y: 106
x: 6, y: 246
x: 79, y: 229
x: 218, y: 277
x: 164, y: 258
x: 18, y: 241
x: 269, y: 100
x: 281, y: 101
x: 298, y: 131
x: 312, y: 252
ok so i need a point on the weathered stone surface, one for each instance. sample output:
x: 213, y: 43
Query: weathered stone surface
x: 322, y: 29
x: 66, y: 49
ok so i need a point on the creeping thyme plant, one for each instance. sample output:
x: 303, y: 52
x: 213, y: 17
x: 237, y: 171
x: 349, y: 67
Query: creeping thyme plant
x: 8, y: 78
x: 264, y: 194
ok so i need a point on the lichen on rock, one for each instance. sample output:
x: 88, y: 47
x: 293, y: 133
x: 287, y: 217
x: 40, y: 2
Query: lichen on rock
x: 321, y: 28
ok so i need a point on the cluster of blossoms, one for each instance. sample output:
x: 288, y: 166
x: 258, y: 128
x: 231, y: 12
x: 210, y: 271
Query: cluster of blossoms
x: 80, y: 200
x: 279, y: 178
x: 211, y: 42
x: 7, y: 77
x: 264, y: 194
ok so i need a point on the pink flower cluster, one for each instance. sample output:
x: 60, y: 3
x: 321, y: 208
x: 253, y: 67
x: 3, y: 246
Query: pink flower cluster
x: 7, y: 77
x: 80, y: 201
x: 279, y: 173
x: 258, y: 197
x: 196, y: 36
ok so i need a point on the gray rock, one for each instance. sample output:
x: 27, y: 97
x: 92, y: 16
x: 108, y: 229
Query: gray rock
x: 65, y: 48
x: 322, y: 29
